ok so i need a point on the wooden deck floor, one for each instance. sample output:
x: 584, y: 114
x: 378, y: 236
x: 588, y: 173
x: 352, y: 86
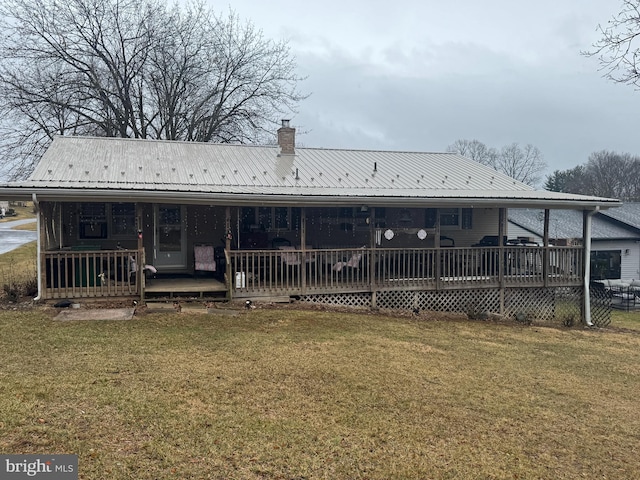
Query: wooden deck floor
x: 180, y: 286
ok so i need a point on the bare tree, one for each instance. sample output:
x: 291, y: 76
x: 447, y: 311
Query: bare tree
x: 605, y: 174
x: 524, y: 164
x: 136, y: 69
x: 614, y: 175
x: 618, y: 49
x: 475, y: 150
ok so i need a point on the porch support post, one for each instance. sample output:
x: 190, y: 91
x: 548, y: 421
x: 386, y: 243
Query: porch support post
x: 438, y: 257
x: 303, y: 245
x: 545, y: 252
x: 140, y: 276
x: 372, y: 256
x: 227, y: 249
x: 586, y: 262
x: 501, y: 262
x: 41, y: 259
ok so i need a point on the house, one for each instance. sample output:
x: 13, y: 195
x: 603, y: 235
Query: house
x: 399, y: 230
x: 615, y: 236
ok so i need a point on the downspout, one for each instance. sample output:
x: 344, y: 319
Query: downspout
x: 587, y: 265
x: 36, y: 206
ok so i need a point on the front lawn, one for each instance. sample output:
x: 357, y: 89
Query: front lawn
x: 279, y: 393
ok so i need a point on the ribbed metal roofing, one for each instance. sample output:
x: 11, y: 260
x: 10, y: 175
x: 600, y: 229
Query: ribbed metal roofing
x: 134, y: 165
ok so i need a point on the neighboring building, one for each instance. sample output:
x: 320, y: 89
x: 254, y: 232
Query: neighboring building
x: 349, y: 227
x: 615, y: 236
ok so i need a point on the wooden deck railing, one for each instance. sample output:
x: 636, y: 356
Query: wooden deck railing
x: 364, y: 269
x: 90, y: 273
x: 106, y: 273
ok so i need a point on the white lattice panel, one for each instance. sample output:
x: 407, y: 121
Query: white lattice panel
x: 561, y: 305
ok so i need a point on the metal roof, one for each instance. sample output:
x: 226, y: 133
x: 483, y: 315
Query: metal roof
x: 72, y: 166
x: 568, y: 224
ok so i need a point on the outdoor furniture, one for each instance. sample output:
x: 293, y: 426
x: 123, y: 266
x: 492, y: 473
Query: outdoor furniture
x: 204, y: 258
x: 280, y: 242
x: 353, y: 262
x: 289, y: 257
x: 624, y: 293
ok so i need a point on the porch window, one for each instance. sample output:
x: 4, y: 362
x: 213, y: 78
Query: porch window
x: 93, y: 221
x: 123, y: 219
x: 270, y: 218
x: 103, y: 220
x: 450, y: 218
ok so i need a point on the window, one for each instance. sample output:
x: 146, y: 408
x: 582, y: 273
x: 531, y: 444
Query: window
x: 450, y: 218
x: 93, y: 221
x: 605, y: 264
x: 101, y: 220
x: 269, y: 218
x: 123, y: 219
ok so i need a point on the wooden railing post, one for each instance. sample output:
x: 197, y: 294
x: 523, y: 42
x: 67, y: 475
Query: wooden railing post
x: 501, y: 259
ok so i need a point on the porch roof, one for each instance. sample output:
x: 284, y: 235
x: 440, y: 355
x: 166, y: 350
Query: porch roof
x: 77, y: 168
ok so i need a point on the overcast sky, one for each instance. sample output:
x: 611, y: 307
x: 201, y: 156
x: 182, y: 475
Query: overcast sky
x: 419, y: 74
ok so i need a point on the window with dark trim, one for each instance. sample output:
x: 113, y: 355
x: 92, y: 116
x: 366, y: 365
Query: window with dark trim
x: 93, y: 221
x: 269, y: 218
x: 606, y: 264
x: 99, y: 221
x: 450, y: 218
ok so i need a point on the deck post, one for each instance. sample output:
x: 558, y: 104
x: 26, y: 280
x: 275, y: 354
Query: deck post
x: 140, y: 274
x: 438, y: 255
x: 42, y: 271
x: 545, y: 245
x: 304, y: 266
x: 372, y: 256
x: 227, y: 249
x: 501, y: 262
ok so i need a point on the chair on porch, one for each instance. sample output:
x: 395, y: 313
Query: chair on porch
x: 204, y: 258
x: 279, y: 242
x: 353, y: 262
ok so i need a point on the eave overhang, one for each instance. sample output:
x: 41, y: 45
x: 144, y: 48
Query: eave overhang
x: 305, y: 197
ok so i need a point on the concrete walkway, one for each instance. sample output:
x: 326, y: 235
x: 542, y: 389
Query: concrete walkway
x: 11, y: 239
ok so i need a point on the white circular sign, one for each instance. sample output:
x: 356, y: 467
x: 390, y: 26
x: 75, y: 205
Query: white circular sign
x: 389, y: 234
x: 422, y: 234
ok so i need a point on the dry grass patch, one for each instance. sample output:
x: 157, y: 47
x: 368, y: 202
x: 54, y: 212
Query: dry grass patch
x: 18, y: 273
x: 302, y: 394
x: 27, y: 226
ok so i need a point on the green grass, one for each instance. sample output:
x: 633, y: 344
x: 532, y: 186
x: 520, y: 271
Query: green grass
x: 309, y: 394
x: 629, y: 320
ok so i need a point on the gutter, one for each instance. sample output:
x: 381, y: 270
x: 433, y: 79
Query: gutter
x: 587, y: 266
x: 301, y: 197
x: 36, y: 206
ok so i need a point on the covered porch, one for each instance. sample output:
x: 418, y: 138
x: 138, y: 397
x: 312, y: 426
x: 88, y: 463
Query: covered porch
x: 341, y: 255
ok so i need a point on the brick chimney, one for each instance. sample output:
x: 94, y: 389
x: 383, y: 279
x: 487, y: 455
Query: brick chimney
x: 287, y: 139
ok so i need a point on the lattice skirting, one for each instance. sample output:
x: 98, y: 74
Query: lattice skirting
x: 542, y: 304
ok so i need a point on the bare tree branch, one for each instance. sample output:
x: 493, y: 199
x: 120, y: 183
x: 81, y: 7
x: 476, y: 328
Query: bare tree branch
x: 618, y: 49
x: 136, y: 68
x: 524, y: 164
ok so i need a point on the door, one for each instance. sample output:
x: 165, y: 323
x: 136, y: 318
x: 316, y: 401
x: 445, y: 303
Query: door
x: 170, y: 237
